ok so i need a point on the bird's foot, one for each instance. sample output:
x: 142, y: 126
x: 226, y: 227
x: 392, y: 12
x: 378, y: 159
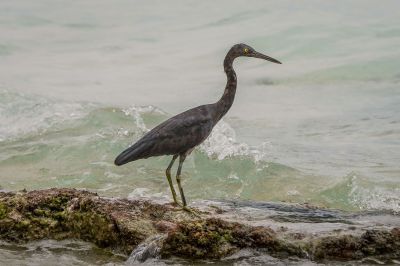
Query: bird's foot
x: 191, y: 211
x: 187, y: 209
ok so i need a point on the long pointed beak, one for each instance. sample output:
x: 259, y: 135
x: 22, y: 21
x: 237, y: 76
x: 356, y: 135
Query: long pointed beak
x: 265, y: 57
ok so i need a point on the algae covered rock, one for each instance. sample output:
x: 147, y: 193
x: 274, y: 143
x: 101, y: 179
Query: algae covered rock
x: 69, y: 213
x: 122, y: 225
x: 216, y: 238
x: 352, y: 247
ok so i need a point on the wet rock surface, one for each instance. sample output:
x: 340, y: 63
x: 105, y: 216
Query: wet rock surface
x: 123, y: 225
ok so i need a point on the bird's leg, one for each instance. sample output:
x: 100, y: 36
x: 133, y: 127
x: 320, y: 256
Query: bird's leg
x: 178, y: 178
x: 168, y: 173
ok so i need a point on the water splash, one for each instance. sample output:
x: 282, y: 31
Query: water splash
x: 150, y: 248
x: 222, y: 143
x: 373, y: 196
x: 362, y: 193
x: 137, y: 111
x: 22, y: 114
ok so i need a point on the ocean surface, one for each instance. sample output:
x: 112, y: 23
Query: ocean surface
x: 82, y: 80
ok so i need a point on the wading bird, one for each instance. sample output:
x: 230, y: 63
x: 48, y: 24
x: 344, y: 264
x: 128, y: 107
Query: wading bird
x: 179, y: 135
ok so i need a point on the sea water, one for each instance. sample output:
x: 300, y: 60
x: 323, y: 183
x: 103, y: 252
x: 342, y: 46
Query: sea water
x: 80, y: 81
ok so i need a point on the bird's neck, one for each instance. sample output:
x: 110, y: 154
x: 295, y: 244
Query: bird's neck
x: 226, y: 101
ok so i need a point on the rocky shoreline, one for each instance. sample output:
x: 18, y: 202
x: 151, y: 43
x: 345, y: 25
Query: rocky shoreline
x: 121, y: 225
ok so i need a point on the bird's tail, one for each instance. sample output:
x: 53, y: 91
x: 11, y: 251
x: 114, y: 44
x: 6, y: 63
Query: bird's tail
x: 130, y: 154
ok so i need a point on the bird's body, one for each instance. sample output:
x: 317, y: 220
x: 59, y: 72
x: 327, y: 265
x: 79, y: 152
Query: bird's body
x: 179, y: 135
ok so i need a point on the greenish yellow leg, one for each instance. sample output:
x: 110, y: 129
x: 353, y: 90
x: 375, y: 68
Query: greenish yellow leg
x: 178, y: 179
x: 168, y: 173
x: 192, y: 211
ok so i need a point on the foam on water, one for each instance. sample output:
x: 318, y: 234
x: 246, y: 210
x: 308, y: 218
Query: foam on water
x: 150, y: 248
x: 374, y: 196
x: 222, y: 143
x: 21, y: 114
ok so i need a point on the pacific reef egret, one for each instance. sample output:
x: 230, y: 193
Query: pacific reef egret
x: 179, y: 135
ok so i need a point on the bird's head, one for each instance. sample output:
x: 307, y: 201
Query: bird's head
x: 242, y: 49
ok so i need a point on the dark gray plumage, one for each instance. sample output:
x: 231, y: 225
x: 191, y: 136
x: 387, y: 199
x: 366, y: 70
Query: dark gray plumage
x: 179, y: 135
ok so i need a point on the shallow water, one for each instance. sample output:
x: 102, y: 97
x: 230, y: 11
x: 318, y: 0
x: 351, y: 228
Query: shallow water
x: 51, y: 143
x: 80, y: 81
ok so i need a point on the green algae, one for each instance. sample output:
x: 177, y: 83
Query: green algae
x: 199, y: 240
x: 350, y: 247
x: 60, y: 214
x: 216, y: 238
x: 3, y: 211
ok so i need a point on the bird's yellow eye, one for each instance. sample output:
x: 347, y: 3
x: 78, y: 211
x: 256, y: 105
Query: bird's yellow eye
x: 246, y: 50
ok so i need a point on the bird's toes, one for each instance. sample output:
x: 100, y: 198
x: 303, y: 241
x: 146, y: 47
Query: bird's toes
x: 191, y: 211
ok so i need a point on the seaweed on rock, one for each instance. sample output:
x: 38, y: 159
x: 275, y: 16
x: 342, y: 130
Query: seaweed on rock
x: 121, y: 225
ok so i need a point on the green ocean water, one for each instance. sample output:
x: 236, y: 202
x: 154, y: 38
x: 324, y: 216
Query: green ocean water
x: 81, y: 81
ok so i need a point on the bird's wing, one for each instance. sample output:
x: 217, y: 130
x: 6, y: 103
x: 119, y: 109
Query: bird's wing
x: 174, y: 136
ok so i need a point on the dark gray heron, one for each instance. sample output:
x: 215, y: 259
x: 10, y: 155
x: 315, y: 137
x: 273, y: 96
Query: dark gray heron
x: 179, y: 135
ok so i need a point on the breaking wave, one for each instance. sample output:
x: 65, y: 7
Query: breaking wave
x: 48, y: 143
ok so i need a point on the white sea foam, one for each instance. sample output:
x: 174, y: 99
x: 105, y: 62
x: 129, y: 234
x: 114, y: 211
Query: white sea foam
x: 150, y: 248
x: 22, y: 114
x: 374, y: 197
x: 137, y: 111
x: 222, y: 143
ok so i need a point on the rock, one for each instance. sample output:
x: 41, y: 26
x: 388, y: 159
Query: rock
x: 125, y: 225
x: 351, y: 247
